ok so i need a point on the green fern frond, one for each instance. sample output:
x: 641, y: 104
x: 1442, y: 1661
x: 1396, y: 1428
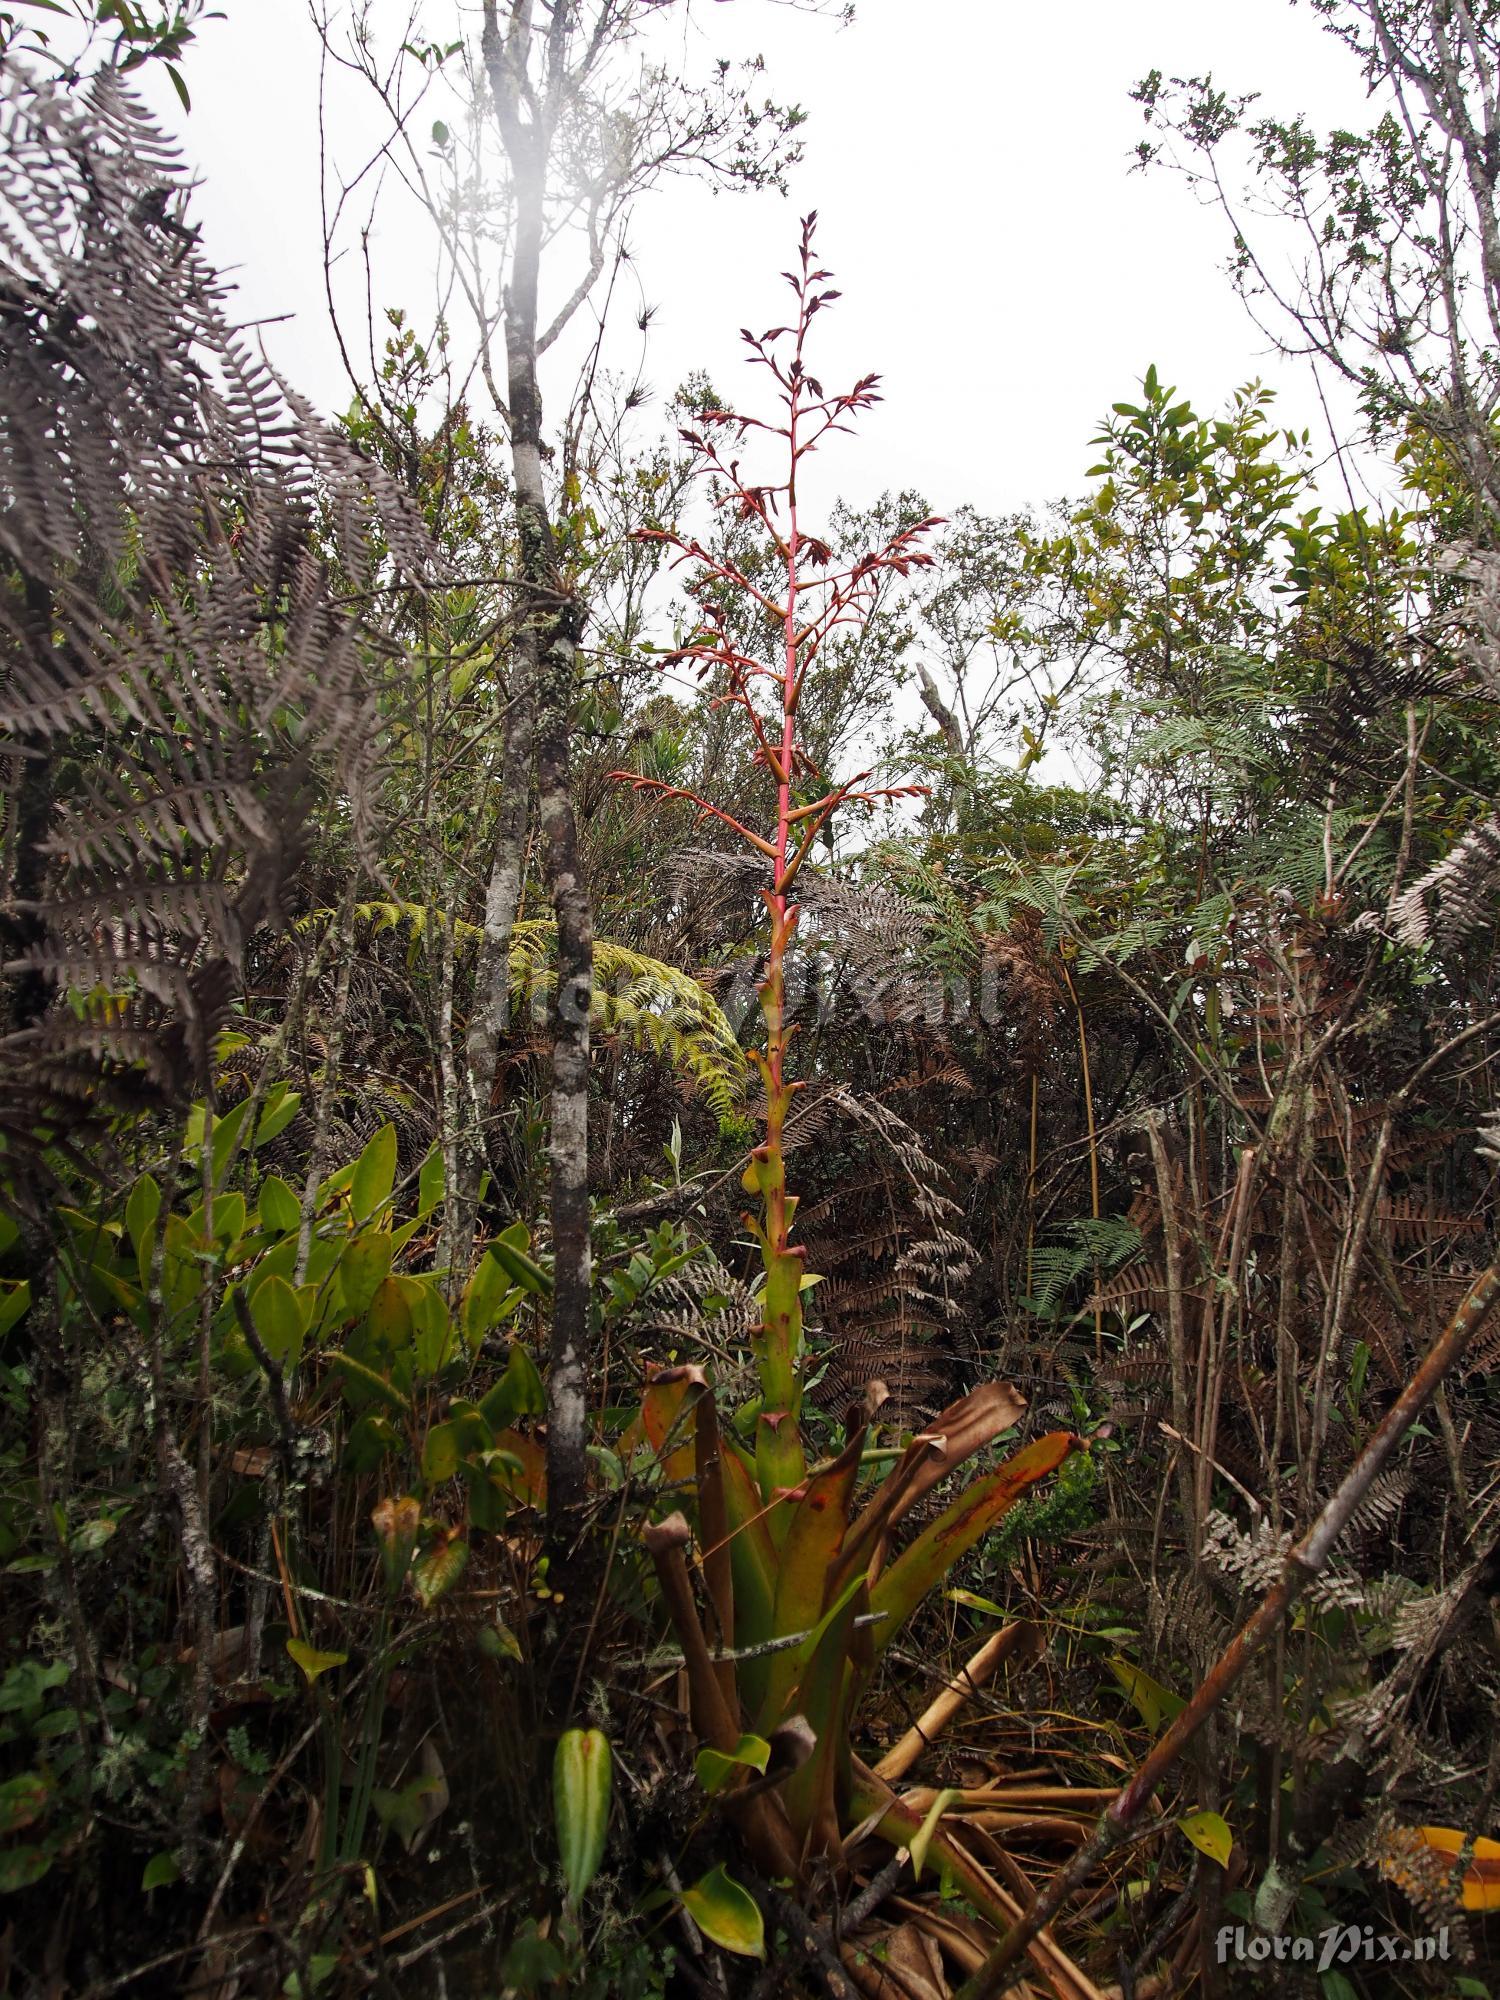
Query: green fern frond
x: 659, y: 1008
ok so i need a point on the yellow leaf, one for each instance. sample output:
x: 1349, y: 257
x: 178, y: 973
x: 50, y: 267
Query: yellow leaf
x: 311, y: 1661
x: 1210, y: 1835
x: 1156, y: 1703
x: 726, y: 1913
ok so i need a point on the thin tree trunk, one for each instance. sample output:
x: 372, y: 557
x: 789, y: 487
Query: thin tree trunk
x: 489, y: 1011
x: 546, y: 657
x: 567, y: 1383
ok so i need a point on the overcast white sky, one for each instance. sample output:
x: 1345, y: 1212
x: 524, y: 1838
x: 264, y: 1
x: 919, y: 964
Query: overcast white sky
x: 1001, y: 266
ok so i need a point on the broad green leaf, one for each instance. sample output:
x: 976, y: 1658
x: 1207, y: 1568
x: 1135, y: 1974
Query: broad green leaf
x: 532, y: 1965
x: 390, y: 1317
x: 279, y: 1320
x: 509, y: 1251
x: 278, y: 1111
x: 518, y: 1393
x: 435, y: 1573
x: 280, y: 1210
x: 365, y: 1262
x: 56, y: 1722
x: 228, y: 1131
x: 359, y: 1375
x: 21, y: 1866
x: 374, y: 1174
x: 182, y: 1269
x: 431, y: 1182
x: 715, y: 1768
x: 311, y: 1661
x: 161, y: 1871
x: 1210, y: 1834
x: 433, y: 1345
x: 490, y: 1480
x: 489, y: 1298
x: 141, y: 1211
x: 23, y: 1800
x: 440, y: 1454
x: 229, y: 1217
x: 581, y: 1781
x: 371, y: 1441
x: 726, y: 1914
x: 402, y: 1236
x: 336, y: 1184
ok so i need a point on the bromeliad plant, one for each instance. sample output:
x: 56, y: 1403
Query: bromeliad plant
x: 802, y: 1592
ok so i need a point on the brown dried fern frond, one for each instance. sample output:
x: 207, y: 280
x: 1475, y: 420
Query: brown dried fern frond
x: 180, y: 674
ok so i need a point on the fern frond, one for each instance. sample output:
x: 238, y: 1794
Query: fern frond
x: 179, y: 672
x: 657, y: 1007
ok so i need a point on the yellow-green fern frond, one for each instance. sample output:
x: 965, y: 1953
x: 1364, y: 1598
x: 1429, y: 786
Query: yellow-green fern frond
x: 654, y: 1005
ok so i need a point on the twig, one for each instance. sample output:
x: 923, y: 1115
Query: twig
x: 421, y: 1951
x: 102, y: 1989
x: 868, y: 1901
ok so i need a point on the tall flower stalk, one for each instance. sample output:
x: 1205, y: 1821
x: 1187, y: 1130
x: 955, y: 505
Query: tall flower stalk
x: 815, y: 598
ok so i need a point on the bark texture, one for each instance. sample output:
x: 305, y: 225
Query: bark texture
x: 527, y: 114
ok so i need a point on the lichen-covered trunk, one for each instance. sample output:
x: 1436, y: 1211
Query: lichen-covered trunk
x: 489, y: 1010
x: 547, y: 655
x: 568, y: 1142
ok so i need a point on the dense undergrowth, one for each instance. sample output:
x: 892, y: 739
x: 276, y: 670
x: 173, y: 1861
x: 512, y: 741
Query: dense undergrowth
x: 656, y: 1323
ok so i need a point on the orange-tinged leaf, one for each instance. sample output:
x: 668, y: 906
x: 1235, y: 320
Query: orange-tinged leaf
x: 435, y: 1572
x: 921, y: 1567
x: 529, y: 1485
x: 23, y: 1800
x: 819, y: 1522
x: 667, y: 1426
x: 953, y: 1436
x: 390, y: 1317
